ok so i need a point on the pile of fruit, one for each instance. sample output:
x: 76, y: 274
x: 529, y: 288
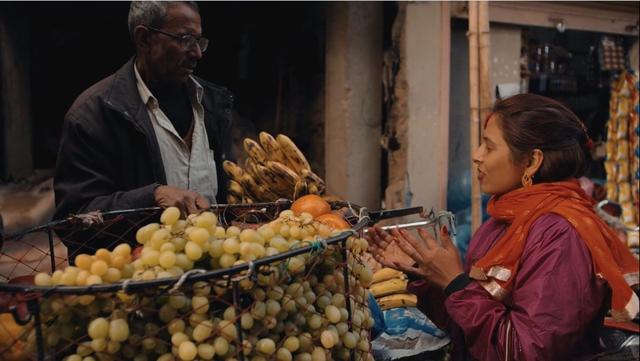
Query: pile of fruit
x: 12, y: 348
x: 295, y: 309
x: 389, y: 287
x: 274, y: 168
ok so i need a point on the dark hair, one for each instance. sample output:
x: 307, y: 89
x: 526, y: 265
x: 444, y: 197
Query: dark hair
x: 530, y: 121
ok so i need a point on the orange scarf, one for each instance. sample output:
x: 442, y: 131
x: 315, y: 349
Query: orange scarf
x: 612, y: 260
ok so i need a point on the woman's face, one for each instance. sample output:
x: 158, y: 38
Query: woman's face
x: 497, y: 171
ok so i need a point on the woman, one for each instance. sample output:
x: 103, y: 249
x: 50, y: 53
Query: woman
x: 541, y: 273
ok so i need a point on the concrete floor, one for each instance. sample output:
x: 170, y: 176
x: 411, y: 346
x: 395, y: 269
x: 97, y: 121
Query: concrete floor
x: 24, y: 205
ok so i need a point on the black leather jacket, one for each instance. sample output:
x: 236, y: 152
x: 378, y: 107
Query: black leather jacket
x: 109, y: 157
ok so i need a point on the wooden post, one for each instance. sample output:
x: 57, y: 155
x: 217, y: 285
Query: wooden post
x: 445, y: 92
x: 474, y: 104
x: 485, y: 50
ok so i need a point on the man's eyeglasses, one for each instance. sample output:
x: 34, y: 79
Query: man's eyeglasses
x: 187, y: 41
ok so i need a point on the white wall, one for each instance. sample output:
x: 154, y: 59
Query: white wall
x: 353, y: 109
x: 427, y: 48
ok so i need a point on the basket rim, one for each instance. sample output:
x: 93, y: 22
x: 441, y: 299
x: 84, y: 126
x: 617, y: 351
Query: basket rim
x: 74, y: 217
x: 365, y: 218
x: 135, y: 286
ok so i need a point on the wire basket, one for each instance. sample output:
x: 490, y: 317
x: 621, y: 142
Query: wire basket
x: 226, y: 313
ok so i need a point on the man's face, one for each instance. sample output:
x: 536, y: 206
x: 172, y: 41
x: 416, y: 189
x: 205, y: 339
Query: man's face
x: 169, y: 62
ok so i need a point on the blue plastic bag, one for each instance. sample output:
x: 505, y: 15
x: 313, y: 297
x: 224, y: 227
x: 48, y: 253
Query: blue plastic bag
x: 378, y: 317
x: 408, y: 333
x: 399, y: 320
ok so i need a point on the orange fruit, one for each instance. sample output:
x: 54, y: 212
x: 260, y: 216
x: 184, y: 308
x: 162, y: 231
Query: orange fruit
x: 11, y: 348
x: 312, y: 204
x: 333, y: 220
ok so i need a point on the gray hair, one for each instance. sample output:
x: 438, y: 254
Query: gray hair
x: 151, y: 13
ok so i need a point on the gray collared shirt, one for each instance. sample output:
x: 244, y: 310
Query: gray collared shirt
x: 185, y: 168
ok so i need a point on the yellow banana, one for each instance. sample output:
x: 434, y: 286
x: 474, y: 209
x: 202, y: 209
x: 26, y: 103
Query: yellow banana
x: 232, y: 199
x: 258, y: 192
x: 287, y: 175
x: 275, y: 183
x: 250, y: 167
x: 307, y: 173
x: 255, y: 182
x: 247, y: 200
x: 233, y: 170
x: 388, y: 287
x: 247, y: 182
x: 254, y: 151
x: 236, y: 189
x: 301, y: 189
x: 314, y: 179
x: 397, y: 300
x: 254, y: 179
x: 266, y: 195
x: 295, y: 159
x: 271, y: 148
x: 386, y: 273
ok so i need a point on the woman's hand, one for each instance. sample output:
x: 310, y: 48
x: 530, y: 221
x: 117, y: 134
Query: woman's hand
x: 384, y: 250
x: 439, y: 264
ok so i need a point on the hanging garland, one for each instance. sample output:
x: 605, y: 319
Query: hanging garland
x: 623, y: 147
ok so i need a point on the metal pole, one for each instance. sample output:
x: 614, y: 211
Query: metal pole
x: 484, y: 52
x: 51, y: 250
x: 1, y: 232
x: 474, y: 102
x: 236, y: 305
x: 34, y: 309
x: 347, y: 292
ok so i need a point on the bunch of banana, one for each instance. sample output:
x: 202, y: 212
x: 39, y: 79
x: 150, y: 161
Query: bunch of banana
x: 389, y: 287
x: 275, y: 168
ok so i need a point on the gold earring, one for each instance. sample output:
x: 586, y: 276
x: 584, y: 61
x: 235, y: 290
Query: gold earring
x: 527, y: 181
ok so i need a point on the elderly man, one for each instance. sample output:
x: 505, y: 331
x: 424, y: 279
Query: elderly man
x: 151, y: 133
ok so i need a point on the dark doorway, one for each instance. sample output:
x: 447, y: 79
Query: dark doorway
x: 271, y: 55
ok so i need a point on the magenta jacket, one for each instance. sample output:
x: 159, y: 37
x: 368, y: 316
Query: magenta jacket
x: 553, y: 313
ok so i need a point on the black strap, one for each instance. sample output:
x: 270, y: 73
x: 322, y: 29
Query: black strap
x: 458, y: 283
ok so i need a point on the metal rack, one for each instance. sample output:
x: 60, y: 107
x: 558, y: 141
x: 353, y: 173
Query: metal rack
x: 33, y: 295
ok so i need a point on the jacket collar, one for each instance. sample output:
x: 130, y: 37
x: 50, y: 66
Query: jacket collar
x: 124, y: 98
x: 194, y: 89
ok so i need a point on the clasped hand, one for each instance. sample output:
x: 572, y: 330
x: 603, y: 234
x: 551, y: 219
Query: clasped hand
x: 189, y: 202
x: 438, y: 264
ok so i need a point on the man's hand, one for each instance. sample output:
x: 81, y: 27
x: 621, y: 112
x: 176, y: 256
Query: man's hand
x: 188, y: 202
